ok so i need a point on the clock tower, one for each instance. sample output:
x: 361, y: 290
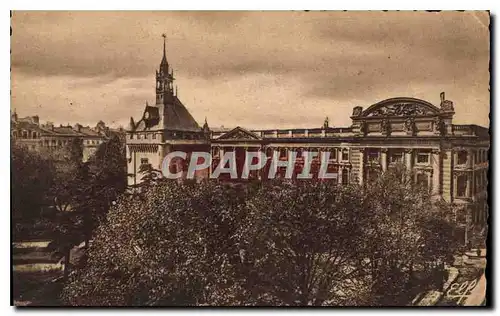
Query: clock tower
x: 164, y: 79
x: 164, y: 127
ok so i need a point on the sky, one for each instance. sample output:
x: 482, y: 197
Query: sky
x: 249, y: 69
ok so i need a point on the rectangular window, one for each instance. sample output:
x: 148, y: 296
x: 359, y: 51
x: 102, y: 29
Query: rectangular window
x: 283, y: 153
x: 333, y: 154
x: 461, y: 186
x: 423, y: 158
x: 462, y: 157
x: 372, y: 155
x: 396, y: 156
x: 345, y: 154
x: 144, y: 161
x: 154, y: 136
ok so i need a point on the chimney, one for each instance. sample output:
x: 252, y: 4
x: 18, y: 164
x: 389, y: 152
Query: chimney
x: 36, y: 119
x: 442, y: 96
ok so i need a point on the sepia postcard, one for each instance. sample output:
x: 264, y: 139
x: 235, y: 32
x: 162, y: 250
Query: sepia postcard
x: 244, y: 158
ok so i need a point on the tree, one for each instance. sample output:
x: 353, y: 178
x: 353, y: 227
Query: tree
x: 30, y: 183
x: 302, y: 244
x: 165, y: 248
x: 407, y: 230
x: 68, y: 176
x: 65, y: 195
x: 102, y: 179
x: 270, y: 243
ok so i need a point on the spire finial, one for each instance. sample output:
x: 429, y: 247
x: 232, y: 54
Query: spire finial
x: 205, y: 125
x: 164, y: 44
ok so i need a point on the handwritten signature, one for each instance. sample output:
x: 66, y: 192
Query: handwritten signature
x: 461, y: 290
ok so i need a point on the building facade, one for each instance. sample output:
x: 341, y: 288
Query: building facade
x: 47, y: 138
x: 164, y: 127
x: 451, y: 160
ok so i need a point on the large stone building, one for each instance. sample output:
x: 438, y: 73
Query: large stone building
x: 48, y: 138
x: 451, y: 160
x: 164, y: 127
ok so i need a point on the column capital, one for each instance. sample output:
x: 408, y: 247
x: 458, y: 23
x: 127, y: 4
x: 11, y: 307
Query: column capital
x: 384, y: 150
x: 408, y: 150
x: 436, y: 151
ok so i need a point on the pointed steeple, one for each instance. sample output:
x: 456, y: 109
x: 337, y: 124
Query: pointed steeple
x: 131, y: 125
x: 164, y: 62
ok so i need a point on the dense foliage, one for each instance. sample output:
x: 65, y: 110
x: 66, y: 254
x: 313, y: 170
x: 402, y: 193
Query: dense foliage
x: 271, y: 243
x: 69, y: 196
x: 30, y: 184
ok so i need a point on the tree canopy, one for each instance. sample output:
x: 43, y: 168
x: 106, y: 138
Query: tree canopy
x: 270, y: 243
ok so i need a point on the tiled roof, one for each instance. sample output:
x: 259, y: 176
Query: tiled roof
x: 175, y: 116
x: 89, y: 132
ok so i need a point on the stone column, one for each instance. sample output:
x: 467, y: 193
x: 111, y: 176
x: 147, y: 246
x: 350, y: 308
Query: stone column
x: 341, y: 171
x: 361, y: 165
x: 409, y: 159
x: 383, y: 159
x: 436, y: 172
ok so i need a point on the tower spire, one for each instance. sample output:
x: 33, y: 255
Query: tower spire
x: 164, y: 45
x: 164, y: 64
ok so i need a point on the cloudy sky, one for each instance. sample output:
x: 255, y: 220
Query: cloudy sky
x: 252, y: 69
